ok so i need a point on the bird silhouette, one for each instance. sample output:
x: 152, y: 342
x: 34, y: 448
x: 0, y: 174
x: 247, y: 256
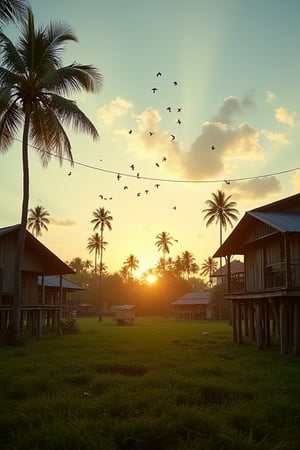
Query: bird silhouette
x: 169, y: 108
x: 174, y: 207
x: 151, y: 133
x: 154, y: 90
x: 125, y: 187
x: 179, y: 110
x: 227, y: 181
x: 146, y: 191
x: 158, y: 74
x: 213, y: 147
x: 138, y: 194
x: 132, y: 166
x: 164, y: 158
x: 70, y: 173
x: 157, y: 185
x: 175, y: 83
x: 118, y: 176
x: 138, y: 175
x: 130, y: 131
x: 178, y: 121
x: 101, y: 196
x: 173, y: 137
x: 157, y: 165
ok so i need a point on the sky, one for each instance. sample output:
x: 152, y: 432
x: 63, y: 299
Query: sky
x: 229, y: 79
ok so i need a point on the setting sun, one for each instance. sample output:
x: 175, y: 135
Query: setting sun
x: 151, y: 279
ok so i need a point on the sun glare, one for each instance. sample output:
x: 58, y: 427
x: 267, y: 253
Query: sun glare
x: 151, y: 279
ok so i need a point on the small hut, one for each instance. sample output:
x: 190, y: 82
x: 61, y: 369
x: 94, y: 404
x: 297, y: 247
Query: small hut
x: 38, y: 260
x: 123, y: 314
x: 191, y: 306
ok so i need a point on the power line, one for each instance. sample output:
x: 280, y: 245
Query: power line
x: 169, y: 180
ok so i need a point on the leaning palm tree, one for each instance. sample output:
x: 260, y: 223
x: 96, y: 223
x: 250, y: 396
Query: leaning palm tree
x: 38, y: 220
x: 95, y: 244
x: 102, y: 219
x: 220, y: 210
x: 132, y: 263
x: 33, y: 82
x: 163, y: 242
x: 208, y: 267
x: 12, y: 10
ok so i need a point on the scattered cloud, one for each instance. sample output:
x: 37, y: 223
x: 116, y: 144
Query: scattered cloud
x: 118, y: 107
x: 256, y: 188
x: 278, y: 138
x: 270, y: 97
x: 284, y: 116
x: 62, y: 223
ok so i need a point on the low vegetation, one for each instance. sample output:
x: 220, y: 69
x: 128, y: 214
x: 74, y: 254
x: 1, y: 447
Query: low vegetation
x: 159, y: 384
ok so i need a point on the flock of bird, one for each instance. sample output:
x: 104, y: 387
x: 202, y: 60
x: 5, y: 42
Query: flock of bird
x: 157, y: 164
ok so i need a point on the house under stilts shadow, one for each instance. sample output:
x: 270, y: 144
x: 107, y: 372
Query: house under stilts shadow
x: 268, y: 305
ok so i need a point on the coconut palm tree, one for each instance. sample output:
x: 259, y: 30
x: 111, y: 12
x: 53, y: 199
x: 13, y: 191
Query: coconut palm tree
x: 12, y: 10
x: 102, y: 219
x: 132, y: 263
x: 33, y: 82
x: 163, y: 242
x: 187, y: 262
x: 38, y: 220
x: 208, y: 267
x: 220, y: 210
x: 95, y: 244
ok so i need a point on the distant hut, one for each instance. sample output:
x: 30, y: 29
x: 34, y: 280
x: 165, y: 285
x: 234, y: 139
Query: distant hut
x: 219, y: 277
x: 191, y: 306
x: 123, y: 314
x: 269, y: 303
x: 38, y: 260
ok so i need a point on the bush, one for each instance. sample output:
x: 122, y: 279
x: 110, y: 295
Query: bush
x: 69, y: 326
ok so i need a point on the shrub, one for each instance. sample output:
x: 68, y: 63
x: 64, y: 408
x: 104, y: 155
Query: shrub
x: 69, y: 326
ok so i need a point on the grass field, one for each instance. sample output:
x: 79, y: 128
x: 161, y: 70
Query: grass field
x: 159, y: 384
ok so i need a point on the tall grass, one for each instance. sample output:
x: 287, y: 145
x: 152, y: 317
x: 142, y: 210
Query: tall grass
x: 159, y: 384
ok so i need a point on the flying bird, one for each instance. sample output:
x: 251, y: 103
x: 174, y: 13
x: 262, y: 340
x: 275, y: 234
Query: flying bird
x: 227, y: 181
x: 130, y: 131
x: 118, y: 176
x: 132, y: 166
x: 151, y: 133
x: 158, y: 74
x: 174, y: 207
x: 179, y: 110
x: 169, y: 108
x: 157, y: 185
x: 164, y: 158
x: 213, y: 147
x: 101, y: 196
x: 138, y: 194
x: 154, y: 90
x: 173, y: 137
x: 125, y: 187
x: 146, y: 191
x: 178, y: 121
x: 70, y: 173
x: 175, y: 83
x: 157, y: 165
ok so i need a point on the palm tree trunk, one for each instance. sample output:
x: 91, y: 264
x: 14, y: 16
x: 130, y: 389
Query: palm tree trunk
x: 100, y: 273
x: 15, y: 318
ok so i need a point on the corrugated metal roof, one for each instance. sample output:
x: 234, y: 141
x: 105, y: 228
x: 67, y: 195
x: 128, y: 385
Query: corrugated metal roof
x: 193, y: 298
x: 282, y: 221
x: 54, y: 281
x: 236, y: 266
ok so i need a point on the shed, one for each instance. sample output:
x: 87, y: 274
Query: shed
x: 123, y: 314
x: 269, y: 239
x: 191, y: 306
x: 38, y: 260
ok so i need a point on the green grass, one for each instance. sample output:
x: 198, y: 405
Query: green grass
x: 159, y: 384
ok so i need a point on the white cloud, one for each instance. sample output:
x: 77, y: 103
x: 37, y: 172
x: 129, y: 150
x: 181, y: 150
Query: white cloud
x: 256, y: 188
x: 270, y: 97
x: 279, y: 138
x: 118, y: 107
x: 284, y: 116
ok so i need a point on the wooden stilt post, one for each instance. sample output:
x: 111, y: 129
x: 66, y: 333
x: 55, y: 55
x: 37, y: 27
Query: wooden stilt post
x: 283, y: 328
x: 239, y: 323
x: 252, y: 322
x: 234, y: 327
x: 267, y: 324
x: 296, y: 349
x: 246, y: 318
x: 259, y: 340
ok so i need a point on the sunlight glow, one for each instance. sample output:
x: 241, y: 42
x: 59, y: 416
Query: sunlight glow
x: 151, y: 279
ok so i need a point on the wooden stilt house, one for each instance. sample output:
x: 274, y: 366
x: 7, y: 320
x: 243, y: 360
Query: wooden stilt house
x: 269, y: 303
x: 38, y: 261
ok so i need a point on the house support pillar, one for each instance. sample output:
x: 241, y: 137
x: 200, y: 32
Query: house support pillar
x: 259, y: 330
x: 267, y: 336
x: 234, y: 327
x: 239, y: 323
x: 283, y: 315
x: 296, y: 348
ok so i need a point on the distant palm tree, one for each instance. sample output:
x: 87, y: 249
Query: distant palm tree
x: 12, y: 10
x: 38, y: 220
x: 102, y: 219
x: 124, y: 274
x: 187, y: 262
x: 94, y: 245
x: 220, y: 210
x: 132, y: 263
x: 87, y: 265
x: 77, y: 264
x: 33, y: 83
x: 208, y: 267
x: 163, y: 242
